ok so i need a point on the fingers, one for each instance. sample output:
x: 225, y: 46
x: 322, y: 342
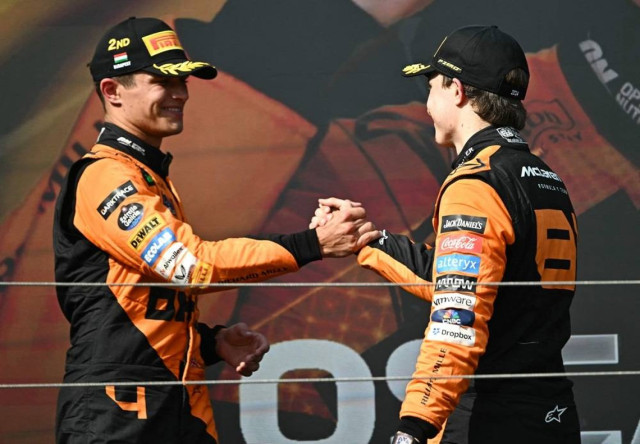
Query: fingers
x: 367, y: 238
x: 334, y: 202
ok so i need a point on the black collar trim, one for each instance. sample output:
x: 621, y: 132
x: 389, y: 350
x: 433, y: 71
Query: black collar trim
x: 121, y: 140
x: 504, y: 136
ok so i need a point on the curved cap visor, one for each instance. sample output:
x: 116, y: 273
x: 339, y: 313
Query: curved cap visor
x: 181, y: 68
x: 417, y: 69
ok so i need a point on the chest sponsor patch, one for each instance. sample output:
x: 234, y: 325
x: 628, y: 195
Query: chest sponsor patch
x: 454, y: 317
x: 462, y: 242
x: 458, y: 262
x: 130, y: 216
x: 454, y: 300
x: 463, y: 222
x: 454, y: 334
x: 149, y: 227
x: 157, y: 245
x: 455, y: 282
x: 113, y: 200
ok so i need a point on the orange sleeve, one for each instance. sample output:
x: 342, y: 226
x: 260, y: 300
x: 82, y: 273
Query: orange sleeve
x: 397, y: 259
x: 474, y: 229
x: 125, y: 217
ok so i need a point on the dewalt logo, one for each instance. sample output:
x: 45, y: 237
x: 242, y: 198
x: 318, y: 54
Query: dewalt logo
x: 150, y: 226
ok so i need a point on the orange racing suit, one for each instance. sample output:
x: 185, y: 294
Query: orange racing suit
x: 119, y: 220
x: 501, y: 215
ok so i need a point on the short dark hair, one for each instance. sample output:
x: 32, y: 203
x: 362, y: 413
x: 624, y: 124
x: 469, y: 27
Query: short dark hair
x: 495, y: 109
x: 127, y: 80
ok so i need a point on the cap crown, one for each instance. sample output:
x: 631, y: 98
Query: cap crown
x: 482, y: 56
x: 144, y: 44
x: 479, y: 56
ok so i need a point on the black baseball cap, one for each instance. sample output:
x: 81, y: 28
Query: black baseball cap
x: 479, y: 56
x: 144, y: 44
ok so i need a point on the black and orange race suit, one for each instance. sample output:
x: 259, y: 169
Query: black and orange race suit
x: 501, y: 215
x: 119, y: 220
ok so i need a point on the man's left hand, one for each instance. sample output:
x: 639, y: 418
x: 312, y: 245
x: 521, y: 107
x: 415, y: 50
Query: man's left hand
x: 241, y: 348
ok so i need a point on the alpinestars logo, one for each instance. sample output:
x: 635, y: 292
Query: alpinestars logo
x: 554, y: 415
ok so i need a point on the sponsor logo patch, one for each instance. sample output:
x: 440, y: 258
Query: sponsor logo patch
x: 454, y: 334
x: 454, y: 317
x: 462, y: 222
x: 176, y: 264
x: 157, y: 245
x: 463, y: 242
x: 454, y: 300
x: 151, y: 225
x: 113, y: 200
x: 126, y: 142
x: 458, y: 262
x: 555, y: 414
x: 456, y: 282
x: 509, y: 134
x: 130, y: 216
x: 529, y: 171
x: 160, y: 42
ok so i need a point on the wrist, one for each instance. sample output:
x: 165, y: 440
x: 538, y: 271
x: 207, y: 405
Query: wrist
x: 404, y: 438
x: 417, y: 428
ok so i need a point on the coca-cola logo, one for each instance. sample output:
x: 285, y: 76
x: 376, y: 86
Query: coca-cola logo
x: 461, y: 242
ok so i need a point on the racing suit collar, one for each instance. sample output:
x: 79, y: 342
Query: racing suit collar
x: 505, y: 136
x: 115, y: 137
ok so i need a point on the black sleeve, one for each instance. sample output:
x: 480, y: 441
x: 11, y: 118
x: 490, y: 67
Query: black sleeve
x: 304, y: 246
x: 418, y: 258
x: 208, y: 343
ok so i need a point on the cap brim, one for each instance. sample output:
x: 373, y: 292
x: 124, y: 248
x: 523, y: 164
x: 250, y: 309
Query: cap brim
x: 417, y: 69
x: 181, y: 68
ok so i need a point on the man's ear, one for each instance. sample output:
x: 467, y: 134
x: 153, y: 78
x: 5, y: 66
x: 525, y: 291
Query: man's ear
x: 110, y: 90
x: 459, y: 94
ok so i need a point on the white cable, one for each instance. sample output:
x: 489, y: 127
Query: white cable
x: 309, y: 380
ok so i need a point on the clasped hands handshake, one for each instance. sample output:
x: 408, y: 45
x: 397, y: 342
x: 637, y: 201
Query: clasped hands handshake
x: 342, y: 227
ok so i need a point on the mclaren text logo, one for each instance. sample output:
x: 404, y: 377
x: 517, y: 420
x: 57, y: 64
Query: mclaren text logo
x: 528, y: 171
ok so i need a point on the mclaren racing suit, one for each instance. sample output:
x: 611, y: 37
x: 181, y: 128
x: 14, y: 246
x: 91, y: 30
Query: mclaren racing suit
x: 501, y: 215
x: 119, y: 220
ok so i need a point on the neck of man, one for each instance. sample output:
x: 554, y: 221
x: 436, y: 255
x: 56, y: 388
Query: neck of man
x: 469, y: 124
x: 154, y: 141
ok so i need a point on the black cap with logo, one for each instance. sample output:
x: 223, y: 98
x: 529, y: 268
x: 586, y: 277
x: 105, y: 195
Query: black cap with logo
x: 479, y: 56
x: 144, y: 44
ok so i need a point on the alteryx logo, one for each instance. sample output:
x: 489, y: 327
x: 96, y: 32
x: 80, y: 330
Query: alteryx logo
x: 454, y: 317
x: 458, y: 263
x: 158, y: 245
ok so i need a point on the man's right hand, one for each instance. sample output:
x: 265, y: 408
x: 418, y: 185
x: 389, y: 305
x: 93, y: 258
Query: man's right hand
x: 344, y: 229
